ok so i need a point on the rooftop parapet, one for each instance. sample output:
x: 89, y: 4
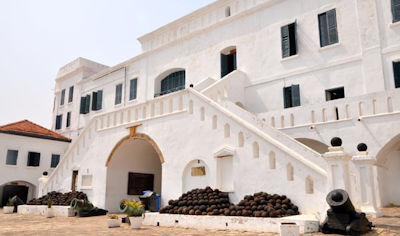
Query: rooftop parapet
x: 80, y: 63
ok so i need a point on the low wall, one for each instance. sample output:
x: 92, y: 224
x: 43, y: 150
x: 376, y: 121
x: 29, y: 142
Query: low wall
x: 41, y: 210
x: 308, y: 224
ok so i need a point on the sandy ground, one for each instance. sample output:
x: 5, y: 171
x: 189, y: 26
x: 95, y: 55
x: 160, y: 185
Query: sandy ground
x: 16, y: 224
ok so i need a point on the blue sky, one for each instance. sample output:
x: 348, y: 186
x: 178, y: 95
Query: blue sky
x: 38, y: 37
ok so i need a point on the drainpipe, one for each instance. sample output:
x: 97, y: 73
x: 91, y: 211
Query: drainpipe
x: 124, y: 87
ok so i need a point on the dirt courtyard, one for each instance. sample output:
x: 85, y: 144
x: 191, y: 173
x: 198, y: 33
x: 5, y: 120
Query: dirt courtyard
x: 16, y: 224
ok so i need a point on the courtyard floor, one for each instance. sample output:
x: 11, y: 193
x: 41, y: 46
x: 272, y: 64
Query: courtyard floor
x: 16, y: 224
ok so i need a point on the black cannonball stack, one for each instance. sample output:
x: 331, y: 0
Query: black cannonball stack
x: 199, y: 202
x: 58, y: 199
x: 213, y: 202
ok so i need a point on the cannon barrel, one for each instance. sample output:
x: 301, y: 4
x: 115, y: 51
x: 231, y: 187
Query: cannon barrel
x: 81, y: 205
x: 340, y: 202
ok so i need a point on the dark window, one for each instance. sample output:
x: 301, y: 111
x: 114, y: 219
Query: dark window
x: 396, y: 72
x: 227, y: 11
x: 74, y: 180
x: 228, y: 62
x: 97, y: 100
x: 396, y: 10
x: 85, y: 104
x: 62, y: 97
x: 289, y: 45
x: 68, y: 119
x: 138, y: 182
x: 71, y: 94
x: 336, y: 93
x: 291, y: 96
x: 58, y: 121
x: 33, y: 159
x: 328, y: 33
x: 118, y: 94
x: 133, y: 89
x: 11, y: 158
x: 172, y: 83
x: 55, y: 159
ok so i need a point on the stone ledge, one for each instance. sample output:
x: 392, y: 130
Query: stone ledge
x: 307, y: 223
x: 41, y: 210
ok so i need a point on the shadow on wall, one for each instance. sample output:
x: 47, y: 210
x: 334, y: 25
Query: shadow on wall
x: 314, y: 144
x: 24, y: 190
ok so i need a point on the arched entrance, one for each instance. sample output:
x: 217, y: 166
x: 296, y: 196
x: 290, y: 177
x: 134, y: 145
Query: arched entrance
x: 388, y: 168
x: 24, y: 190
x: 314, y: 144
x: 133, y: 166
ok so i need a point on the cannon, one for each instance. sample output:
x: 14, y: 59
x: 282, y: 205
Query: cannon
x: 84, y: 208
x: 342, y: 218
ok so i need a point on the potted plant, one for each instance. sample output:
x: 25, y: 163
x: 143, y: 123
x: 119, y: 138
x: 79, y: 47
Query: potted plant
x: 50, y: 210
x: 9, y: 207
x: 134, y: 210
x: 113, y: 221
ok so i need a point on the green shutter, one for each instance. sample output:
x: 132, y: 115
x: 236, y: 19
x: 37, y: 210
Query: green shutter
x: 323, y: 29
x: 118, y: 94
x: 396, y: 71
x: 87, y: 104
x: 99, y: 102
x: 396, y: 10
x: 133, y: 89
x: 234, y: 61
x: 295, y: 95
x: 224, y: 65
x: 285, y: 105
x: 94, y: 101
x: 285, y: 41
x: 83, y: 105
x: 332, y: 26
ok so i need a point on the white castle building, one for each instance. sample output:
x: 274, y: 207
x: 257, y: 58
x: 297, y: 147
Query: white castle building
x: 244, y: 96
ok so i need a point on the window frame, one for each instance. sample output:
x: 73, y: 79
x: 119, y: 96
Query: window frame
x: 395, y: 6
x: 51, y: 160
x: 71, y: 94
x: 62, y: 97
x: 290, y: 36
x: 16, y: 158
x: 28, y: 160
x: 68, y: 122
x: 328, y: 25
x: 58, y: 127
x: 332, y: 90
x: 293, y: 90
x: 131, y: 91
x: 118, y: 94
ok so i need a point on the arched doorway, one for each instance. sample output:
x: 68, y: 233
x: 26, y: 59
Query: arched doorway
x: 133, y: 167
x: 170, y: 81
x: 388, y: 168
x: 24, y: 190
x: 195, y: 175
x: 314, y: 144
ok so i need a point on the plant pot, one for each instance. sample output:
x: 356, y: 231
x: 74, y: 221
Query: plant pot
x: 8, y: 209
x: 49, y: 212
x: 136, y: 221
x: 113, y: 223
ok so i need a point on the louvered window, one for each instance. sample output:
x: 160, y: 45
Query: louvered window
x: 97, y: 100
x: 133, y: 89
x: 328, y: 32
x: 172, y: 83
x: 396, y: 10
x: 118, y: 94
x: 288, y: 38
x: 58, y: 122
x: 396, y: 72
x: 291, y: 96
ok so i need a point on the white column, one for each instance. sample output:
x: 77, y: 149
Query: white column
x: 42, y: 182
x: 365, y: 175
x: 338, y: 177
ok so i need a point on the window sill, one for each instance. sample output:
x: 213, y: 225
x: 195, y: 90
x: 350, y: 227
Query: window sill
x: 329, y: 46
x: 395, y: 24
x: 32, y: 167
x: 289, y: 58
x: 11, y: 166
x: 118, y: 105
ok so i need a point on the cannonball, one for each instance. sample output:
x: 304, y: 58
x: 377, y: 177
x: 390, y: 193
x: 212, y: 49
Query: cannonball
x: 362, y: 147
x: 336, y: 142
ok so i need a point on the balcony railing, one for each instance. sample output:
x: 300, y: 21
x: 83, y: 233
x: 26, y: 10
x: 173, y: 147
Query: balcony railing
x: 169, y: 91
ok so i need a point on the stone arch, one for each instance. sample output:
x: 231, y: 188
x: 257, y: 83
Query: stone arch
x: 316, y: 145
x: 196, y: 174
x: 134, y: 158
x: 23, y: 189
x: 388, y: 171
x: 136, y: 136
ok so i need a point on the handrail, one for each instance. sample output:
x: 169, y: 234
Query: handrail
x: 261, y: 134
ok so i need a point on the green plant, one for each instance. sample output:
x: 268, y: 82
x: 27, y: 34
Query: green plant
x: 10, y: 202
x: 49, y: 201
x: 132, y: 208
x: 113, y: 216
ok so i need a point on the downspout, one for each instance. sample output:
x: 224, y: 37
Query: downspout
x: 125, y: 87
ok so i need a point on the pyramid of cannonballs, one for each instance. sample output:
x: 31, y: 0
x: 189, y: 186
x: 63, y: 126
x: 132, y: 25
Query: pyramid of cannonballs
x: 57, y: 198
x: 214, y: 202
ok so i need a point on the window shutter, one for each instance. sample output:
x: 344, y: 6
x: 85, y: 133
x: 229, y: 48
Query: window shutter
x: 323, y: 29
x: 71, y: 94
x: 62, y: 97
x: 133, y: 89
x: 118, y: 94
x: 295, y: 95
x: 396, y: 71
x: 332, y: 26
x: 99, y: 97
x: 396, y: 10
x: 285, y: 105
x: 234, y: 61
x: 94, y: 101
x: 87, y: 104
x: 224, y: 65
x: 293, y: 39
x: 82, y: 109
x: 285, y: 41
x: 68, y: 119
